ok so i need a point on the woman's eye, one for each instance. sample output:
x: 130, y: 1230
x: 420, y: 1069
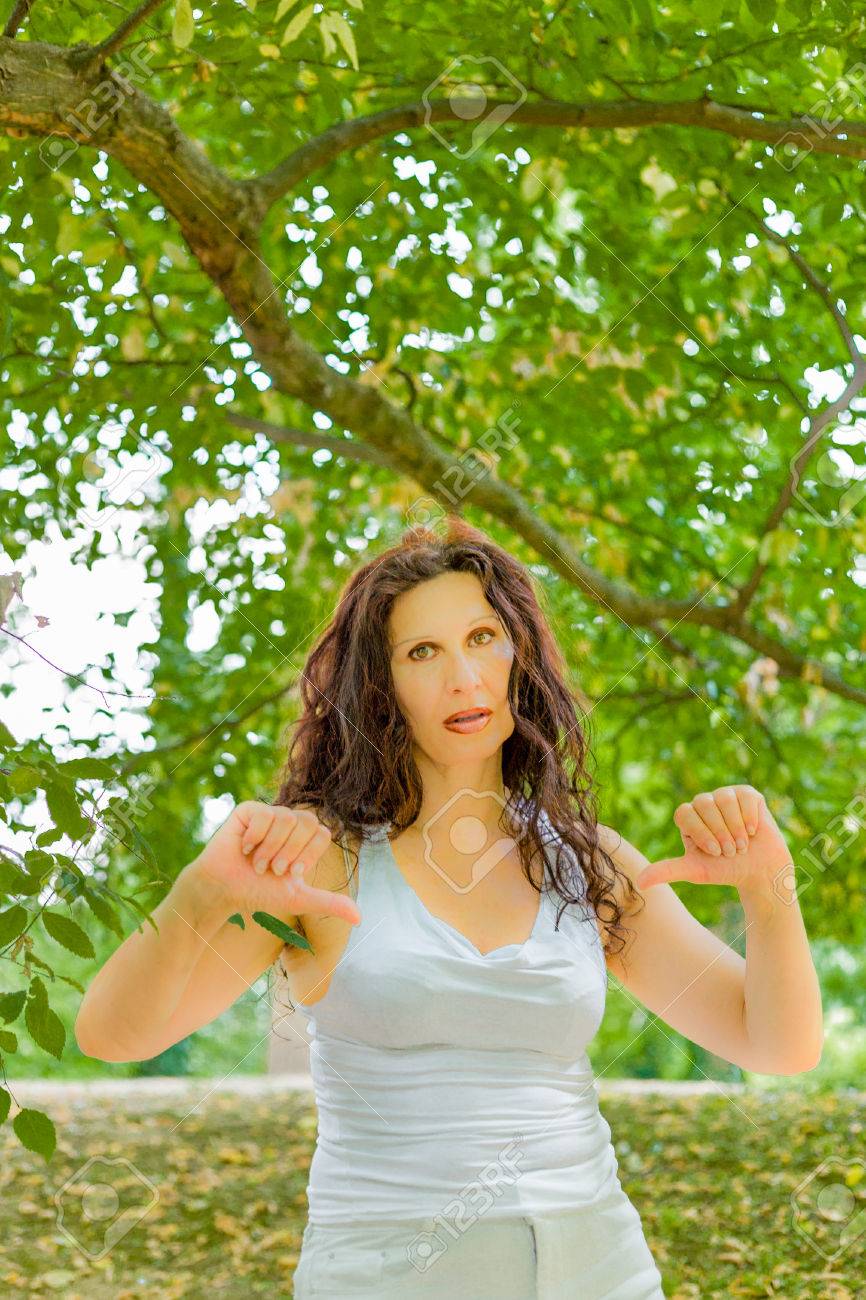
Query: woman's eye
x: 482, y: 631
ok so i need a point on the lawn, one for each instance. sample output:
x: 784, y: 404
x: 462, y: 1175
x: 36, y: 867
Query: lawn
x: 712, y: 1177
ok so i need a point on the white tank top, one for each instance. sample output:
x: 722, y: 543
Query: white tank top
x: 443, y: 1075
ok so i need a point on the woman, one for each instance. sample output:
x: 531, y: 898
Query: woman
x: 461, y: 908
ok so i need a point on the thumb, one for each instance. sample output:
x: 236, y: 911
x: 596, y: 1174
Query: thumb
x: 659, y: 873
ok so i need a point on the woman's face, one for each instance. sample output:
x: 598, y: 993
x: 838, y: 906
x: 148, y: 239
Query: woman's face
x: 451, y: 653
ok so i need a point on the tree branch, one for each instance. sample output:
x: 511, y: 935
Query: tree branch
x: 817, y: 423
x: 766, y: 381
x: 353, y: 450
x: 16, y: 18
x: 198, y: 737
x: 797, y: 33
x: 220, y: 219
x: 72, y: 677
x: 845, y: 139
x: 99, y: 53
x: 42, y: 88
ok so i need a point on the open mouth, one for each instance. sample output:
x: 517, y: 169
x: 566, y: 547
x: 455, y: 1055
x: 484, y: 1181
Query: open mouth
x: 472, y: 720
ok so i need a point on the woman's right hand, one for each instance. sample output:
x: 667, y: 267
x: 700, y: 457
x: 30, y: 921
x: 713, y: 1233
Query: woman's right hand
x: 257, y: 862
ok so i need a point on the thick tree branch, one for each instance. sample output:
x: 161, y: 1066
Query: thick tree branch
x: 42, y: 90
x: 846, y: 139
x: 40, y: 87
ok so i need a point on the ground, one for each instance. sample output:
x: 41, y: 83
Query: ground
x: 712, y: 1176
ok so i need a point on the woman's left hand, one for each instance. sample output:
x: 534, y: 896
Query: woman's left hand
x: 731, y: 816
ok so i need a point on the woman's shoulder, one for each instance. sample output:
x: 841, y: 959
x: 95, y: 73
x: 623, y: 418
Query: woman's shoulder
x: 609, y: 839
x: 628, y: 859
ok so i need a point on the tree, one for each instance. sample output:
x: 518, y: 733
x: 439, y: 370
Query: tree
x: 330, y: 268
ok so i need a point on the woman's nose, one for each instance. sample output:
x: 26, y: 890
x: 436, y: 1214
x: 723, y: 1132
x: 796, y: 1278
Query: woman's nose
x: 464, y: 673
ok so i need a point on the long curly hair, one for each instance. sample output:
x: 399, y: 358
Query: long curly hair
x: 351, y: 759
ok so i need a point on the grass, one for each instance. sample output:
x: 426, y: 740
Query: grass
x: 711, y: 1177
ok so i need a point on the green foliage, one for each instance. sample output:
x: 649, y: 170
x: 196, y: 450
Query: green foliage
x: 617, y: 289
x: 29, y: 884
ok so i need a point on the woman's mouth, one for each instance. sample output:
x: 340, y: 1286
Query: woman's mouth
x: 476, y: 720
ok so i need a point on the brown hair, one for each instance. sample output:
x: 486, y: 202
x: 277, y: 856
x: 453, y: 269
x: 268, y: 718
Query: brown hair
x: 351, y: 758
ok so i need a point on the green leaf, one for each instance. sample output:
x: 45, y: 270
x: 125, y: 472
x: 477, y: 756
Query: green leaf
x: 50, y: 836
x: 329, y: 45
x: 12, y: 922
x: 644, y: 13
x: 44, y: 1025
x: 40, y: 865
x: 70, y: 233
x: 25, y: 778
x: 11, y: 1005
x: 142, y: 848
x: 281, y: 930
x: 297, y: 25
x: 283, y: 8
x: 35, y: 1131
x: 338, y: 24
x: 237, y: 919
x: 26, y: 884
x: 8, y: 1041
x: 5, y: 1103
x: 96, y: 251
x: 183, y: 27
x: 68, y: 932
x: 12, y: 879
x: 87, y: 766
x: 7, y: 740
x: 64, y: 809
x: 103, y: 911
x: 36, y: 960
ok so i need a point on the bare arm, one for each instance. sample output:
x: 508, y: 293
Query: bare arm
x: 783, y: 1013
x: 701, y: 987
x: 127, y: 1004
x: 681, y: 972
x: 158, y: 988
